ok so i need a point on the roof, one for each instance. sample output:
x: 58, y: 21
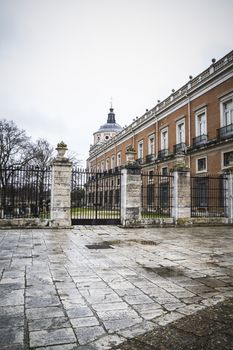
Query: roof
x: 111, y: 124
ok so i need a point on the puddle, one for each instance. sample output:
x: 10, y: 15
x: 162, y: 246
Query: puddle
x: 128, y: 241
x: 99, y: 246
x: 212, y: 263
x: 143, y: 242
x: 114, y: 242
x: 166, y: 271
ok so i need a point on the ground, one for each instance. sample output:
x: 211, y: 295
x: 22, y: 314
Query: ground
x: 105, y: 287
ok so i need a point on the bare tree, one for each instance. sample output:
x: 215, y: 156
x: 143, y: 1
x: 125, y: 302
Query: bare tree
x: 73, y: 158
x: 42, y: 154
x: 15, y: 146
x: 15, y: 151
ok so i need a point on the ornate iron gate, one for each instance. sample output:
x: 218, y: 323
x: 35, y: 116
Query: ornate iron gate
x: 95, y: 197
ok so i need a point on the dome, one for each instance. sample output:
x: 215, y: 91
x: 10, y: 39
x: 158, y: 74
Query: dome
x: 111, y: 124
x: 110, y: 127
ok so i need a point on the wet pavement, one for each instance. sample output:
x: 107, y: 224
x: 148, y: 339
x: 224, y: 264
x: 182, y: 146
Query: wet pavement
x: 104, y: 287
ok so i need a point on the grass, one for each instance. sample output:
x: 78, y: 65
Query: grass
x: 90, y: 213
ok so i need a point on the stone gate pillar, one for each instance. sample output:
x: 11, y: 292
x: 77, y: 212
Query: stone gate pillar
x: 181, y: 196
x: 130, y: 195
x: 61, y: 189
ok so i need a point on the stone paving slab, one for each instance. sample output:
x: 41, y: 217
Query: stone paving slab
x: 57, y: 294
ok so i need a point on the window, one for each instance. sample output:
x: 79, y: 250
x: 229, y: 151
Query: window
x: 151, y: 173
x: 227, y: 111
x: 164, y: 139
x: 107, y: 164
x: 140, y: 149
x: 228, y: 158
x: 201, y: 164
x: 200, y: 117
x: 150, y: 195
x: 180, y: 131
x: 98, y: 167
x: 102, y: 166
x: 113, y: 162
x: 164, y: 195
x: 164, y: 171
x: 106, y: 137
x: 200, y: 192
x: 151, y: 144
x: 119, y: 159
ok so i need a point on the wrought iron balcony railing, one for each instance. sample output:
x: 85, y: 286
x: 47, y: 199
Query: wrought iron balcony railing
x: 225, y: 132
x: 200, y: 140
x: 140, y: 160
x: 162, y: 153
x: 150, y: 158
x: 180, y: 148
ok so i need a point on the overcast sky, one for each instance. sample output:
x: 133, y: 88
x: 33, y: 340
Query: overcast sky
x: 61, y: 61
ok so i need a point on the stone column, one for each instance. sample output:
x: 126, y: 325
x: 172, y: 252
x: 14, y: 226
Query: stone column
x: 229, y: 196
x: 130, y: 195
x: 61, y: 191
x: 181, y: 196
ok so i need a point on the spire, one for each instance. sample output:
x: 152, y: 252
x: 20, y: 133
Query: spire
x: 111, y: 115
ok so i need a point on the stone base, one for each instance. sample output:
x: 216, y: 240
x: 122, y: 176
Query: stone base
x: 24, y: 223
x: 62, y: 223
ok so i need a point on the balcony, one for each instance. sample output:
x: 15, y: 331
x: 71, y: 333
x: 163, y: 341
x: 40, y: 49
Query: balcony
x: 225, y: 132
x: 162, y: 153
x: 180, y: 148
x: 140, y: 160
x: 200, y: 140
x: 150, y: 158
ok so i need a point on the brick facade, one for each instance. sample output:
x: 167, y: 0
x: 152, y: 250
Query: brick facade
x: 200, y: 98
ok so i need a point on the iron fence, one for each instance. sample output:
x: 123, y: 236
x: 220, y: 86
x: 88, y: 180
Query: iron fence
x: 156, y: 195
x: 25, y: 192
x: 209, y: 196
x: 95, y: 197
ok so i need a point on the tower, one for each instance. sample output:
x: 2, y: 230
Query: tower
x: 107, y: 130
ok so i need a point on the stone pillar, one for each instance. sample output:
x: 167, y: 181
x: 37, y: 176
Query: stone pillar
x: 181, y: 196
x: 61, y: 191
x: 229, y: 196
x: 130, y: 195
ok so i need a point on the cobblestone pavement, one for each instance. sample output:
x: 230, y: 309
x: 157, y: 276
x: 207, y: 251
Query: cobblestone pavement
x: 95, y: 287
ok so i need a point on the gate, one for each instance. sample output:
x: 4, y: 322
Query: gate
x: 156, y: 195
x: 95, y: 197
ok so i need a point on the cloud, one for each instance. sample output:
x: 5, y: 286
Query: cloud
x: 60, y: 61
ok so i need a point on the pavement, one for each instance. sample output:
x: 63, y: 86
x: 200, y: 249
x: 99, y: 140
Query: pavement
x: 105, y: 287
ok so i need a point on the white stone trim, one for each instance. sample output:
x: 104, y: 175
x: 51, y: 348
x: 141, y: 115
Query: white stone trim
x: 201, y: 171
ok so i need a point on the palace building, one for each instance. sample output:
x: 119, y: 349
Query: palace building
x: 194, y: 123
